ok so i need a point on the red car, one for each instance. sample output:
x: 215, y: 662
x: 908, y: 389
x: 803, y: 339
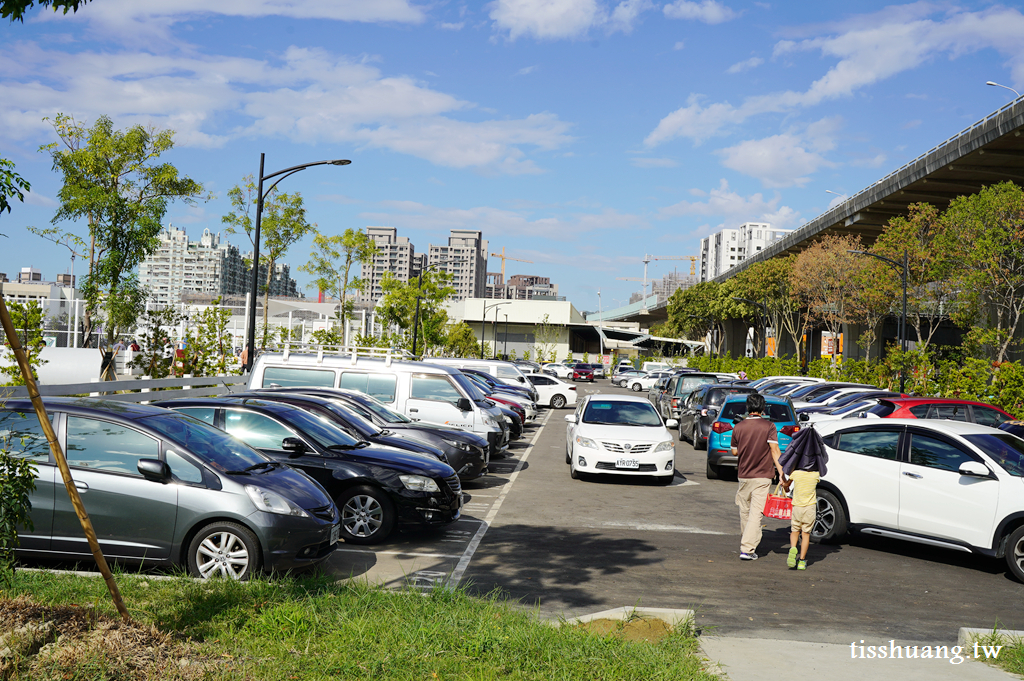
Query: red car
x: 940, y: 408
x: 581, y: 372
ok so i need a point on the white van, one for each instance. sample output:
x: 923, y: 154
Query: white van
x: 424, y: 392
x: 506, y: 372
x: 656, y: 366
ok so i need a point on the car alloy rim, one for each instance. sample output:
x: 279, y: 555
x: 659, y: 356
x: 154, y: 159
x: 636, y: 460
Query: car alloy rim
x: 1018, y: 555
x: 222, y: 554
x: 362, y: 516
x: 825, y: 519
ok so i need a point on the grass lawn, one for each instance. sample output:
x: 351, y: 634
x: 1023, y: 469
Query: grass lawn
x: 64, y: 627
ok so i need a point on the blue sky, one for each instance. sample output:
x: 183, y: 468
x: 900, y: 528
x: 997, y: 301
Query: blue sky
x: 579, y: 134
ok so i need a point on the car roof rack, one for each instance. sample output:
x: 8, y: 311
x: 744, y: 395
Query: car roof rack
x: 354, y: 352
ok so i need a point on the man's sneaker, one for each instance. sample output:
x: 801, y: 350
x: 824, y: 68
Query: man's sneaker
x: 748, y: 556
x: 791, y: 558
x: 802, y: 565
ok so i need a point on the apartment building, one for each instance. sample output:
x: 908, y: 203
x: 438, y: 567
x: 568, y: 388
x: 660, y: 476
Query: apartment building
x: 395, y: 254
x: 724, y: 250
x: 203, y: 266
x: 465, y: 258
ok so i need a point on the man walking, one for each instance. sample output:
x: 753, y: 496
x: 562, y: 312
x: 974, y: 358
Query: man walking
x: 755, y: 443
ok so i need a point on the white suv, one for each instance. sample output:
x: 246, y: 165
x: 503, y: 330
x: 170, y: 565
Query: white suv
x: 942, y: 483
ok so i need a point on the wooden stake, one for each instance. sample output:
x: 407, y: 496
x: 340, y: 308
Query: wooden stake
x: 62, y: 463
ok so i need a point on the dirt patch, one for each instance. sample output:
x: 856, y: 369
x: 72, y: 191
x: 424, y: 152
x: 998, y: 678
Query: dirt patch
x: 44, y: 642
x: 651, y: 629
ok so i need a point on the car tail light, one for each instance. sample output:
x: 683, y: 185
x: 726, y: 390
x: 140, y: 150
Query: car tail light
x: 703, y: 412
x: 675, y: 402
x: 721, y: 427
x: 789, y: 430
x: 572, y: 387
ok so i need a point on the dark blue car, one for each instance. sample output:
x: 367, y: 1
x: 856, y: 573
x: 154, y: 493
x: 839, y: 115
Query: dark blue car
x: 734, y: 410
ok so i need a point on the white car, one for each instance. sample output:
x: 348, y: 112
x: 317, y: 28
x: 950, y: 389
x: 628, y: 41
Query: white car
x: 620, y: 435
x: 949, y: 484
x: 832, y: 396
x: 560, y: 370
x: 641, y: 383
x: 553, y: 392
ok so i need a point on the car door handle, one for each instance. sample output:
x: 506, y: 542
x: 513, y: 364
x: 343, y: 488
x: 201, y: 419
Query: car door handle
x: 81, y: 486
x: 413, y: 410
x: 912, y: 475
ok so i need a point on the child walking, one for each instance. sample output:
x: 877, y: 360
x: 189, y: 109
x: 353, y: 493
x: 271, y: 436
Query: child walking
x: 804, y: 463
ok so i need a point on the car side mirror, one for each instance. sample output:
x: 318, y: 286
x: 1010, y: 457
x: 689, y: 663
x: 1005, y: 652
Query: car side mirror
x: 155, y: 470
x: 672, y: 423
x: 803, y: 417
x: 571, y: 418
x: 294, y: 446
x: 521, y: 379
x: 975, y: 469
x: 463, y: 404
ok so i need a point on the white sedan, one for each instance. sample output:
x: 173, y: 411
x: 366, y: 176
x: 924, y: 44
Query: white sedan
x: 552, y: 391
x: 640, y: 383
x: 621, y: 435
x: 560, y: 370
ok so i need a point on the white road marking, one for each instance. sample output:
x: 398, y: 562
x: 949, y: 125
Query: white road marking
x: 654, y: 527
x: 370, y: 552
x: 467, y: 556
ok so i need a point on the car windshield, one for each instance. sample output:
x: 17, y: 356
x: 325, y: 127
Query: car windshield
x: 614, y: 413
x: 800, y: 392
x: 383, y: 412
x: 480, y: 384
x: 209, y: 444
x: 1005, y: 449
x: 468, y: 386
x: 847, y: 408
x: 353, y: 418
x: 318, y: 428
x: 736, y: 411
x: 821, y: 398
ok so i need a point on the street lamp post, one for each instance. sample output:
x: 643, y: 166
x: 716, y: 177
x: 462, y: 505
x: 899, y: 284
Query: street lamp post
x: 419, y: 297
x: 600, y: 321
x: 1004, y: 87
x: 504, y: 350
x: 260, y: 196
x: 902, y: 269
x: 483, y: 325
x: 763, y: 307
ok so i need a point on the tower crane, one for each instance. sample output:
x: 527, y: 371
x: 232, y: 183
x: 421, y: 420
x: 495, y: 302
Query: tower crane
x: 503, y: 259
x: 649, y: 258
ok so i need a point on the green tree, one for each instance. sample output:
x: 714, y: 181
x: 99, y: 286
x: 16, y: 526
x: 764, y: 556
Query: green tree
x: 460, y: 341
x: 770, y: 282
x: 985, y: 231
x: 209, y: 347
x: 18, y: 481
x: 11, y: 184
x: 697, y: 311
x: 27, y: 319
x: 397, y: 307
x: 282, y: 225
x: 825, y: 279
x: 112, y: 180
x: 155, y: 357
x: 331, y: 261
x: 546, y: 336
x: 15, y: 9
x: 874, y: 292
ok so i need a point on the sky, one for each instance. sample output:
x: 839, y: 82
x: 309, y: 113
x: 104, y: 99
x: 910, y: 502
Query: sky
x: 577, y: 134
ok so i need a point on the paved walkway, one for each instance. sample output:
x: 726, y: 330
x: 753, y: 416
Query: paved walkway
x: 763, y: 659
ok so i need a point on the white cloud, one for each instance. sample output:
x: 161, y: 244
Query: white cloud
x: 452, y: 27
x: 679, y: 45
x: 654, y: 163
x: 868, y: 49
x: 563, y: 19
x: 306, y: 95
x: 34, y: 199
x: 734, y: 209
x: 745, y: 65
x: 787, y: 159
x: 527, y: 70
x: 708, y: 11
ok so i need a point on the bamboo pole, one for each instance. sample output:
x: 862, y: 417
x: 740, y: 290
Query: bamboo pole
x: 62, y: 463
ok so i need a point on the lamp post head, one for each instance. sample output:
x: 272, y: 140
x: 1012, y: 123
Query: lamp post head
x: 340, y: 162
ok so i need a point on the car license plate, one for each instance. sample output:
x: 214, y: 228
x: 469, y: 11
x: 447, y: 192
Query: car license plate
x: 335, y: 534
x: 627, y: 463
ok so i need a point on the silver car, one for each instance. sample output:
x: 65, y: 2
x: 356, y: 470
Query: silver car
x: 163, y: 488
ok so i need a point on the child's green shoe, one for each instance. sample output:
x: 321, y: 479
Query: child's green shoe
x: 791, y: 559
x: 802, y: 565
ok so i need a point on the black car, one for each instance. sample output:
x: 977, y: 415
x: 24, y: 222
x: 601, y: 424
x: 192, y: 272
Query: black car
x: 498, y: 386
x: 700, y: 409
x: 466, y: 452
x: 375, y: 488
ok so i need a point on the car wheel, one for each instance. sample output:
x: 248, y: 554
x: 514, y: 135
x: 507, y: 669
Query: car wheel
x: 224, y: 550
x: 636, y: 387
x: 572, y: 472
x: 711, y: 471
x: 830, y: 521
x: 1015, y: 553
x: 557, y: 402
x: 367, y: 515
x: 665, y: 480
x: 696, y: 439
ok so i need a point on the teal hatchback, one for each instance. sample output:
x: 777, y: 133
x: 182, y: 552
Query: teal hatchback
x: 734, y: 410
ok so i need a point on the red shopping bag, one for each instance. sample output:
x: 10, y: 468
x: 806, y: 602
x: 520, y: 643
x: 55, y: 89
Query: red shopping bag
x: 779, y: 504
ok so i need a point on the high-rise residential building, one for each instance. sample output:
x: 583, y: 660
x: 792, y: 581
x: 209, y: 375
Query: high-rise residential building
x: 465, y: 258
x: 281, y: 283
x: 724, y: 250
x: 204, y: 266
x: 395, y: 254
x: 666, y: 286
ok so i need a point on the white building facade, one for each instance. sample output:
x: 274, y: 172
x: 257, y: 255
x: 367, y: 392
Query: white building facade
x: 726, y: 249
x: 395, y: 255
x: 465, y: 258
x: 204, y: 266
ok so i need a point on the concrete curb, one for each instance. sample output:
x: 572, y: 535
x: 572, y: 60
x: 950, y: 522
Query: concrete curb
x: 969, y: 635
x: 674, y: 617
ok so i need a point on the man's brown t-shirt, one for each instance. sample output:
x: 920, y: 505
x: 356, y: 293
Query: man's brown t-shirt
x: 750, y: 437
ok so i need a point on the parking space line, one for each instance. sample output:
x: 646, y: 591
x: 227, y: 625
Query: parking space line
x: 467, y: 556
x: 370, y: 552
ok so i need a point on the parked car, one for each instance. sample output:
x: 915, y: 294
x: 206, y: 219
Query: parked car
x: 526, y: 391
x: 1013, y: 427
x: 657, y: 390
x: 829, y: 396
x: 618, y: 435
x: 645, y: 382
x: 621, y: 377
x: 844, y: 400
x: 553, y: 392
x: 558, y: 370
x: 761, y: 382
x: 582, y: 372
x: 807, y: 392
x: 497, y: 370
x: 466, y: 452
x: 700, y: 409
x: 376, y: 489
x: 851, y: 410
x: 939, y: 408
x: 949, y: 484
x: 734, y: 410
x: 678, y: 389
x: 165, y: 489
x: 598, y: 369
x: 526, y: 366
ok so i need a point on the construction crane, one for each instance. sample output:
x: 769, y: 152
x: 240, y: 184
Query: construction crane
x: 649, y: 258
x: 503, y: 259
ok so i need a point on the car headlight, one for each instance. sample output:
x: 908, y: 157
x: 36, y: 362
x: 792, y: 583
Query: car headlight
x: 464, y: 446
x: 272, y: 502
x: 585, y: 442
x: 490, y: 420
x: 664, y: 446
x: 419, y: 483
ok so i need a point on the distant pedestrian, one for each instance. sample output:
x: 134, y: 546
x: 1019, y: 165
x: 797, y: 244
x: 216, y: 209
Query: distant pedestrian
x: 244, y: 359
x: 118, y: 346
x: 755, y: 443
x: 804, y: 461
x: 135, y: 346
x: 743, y: 375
